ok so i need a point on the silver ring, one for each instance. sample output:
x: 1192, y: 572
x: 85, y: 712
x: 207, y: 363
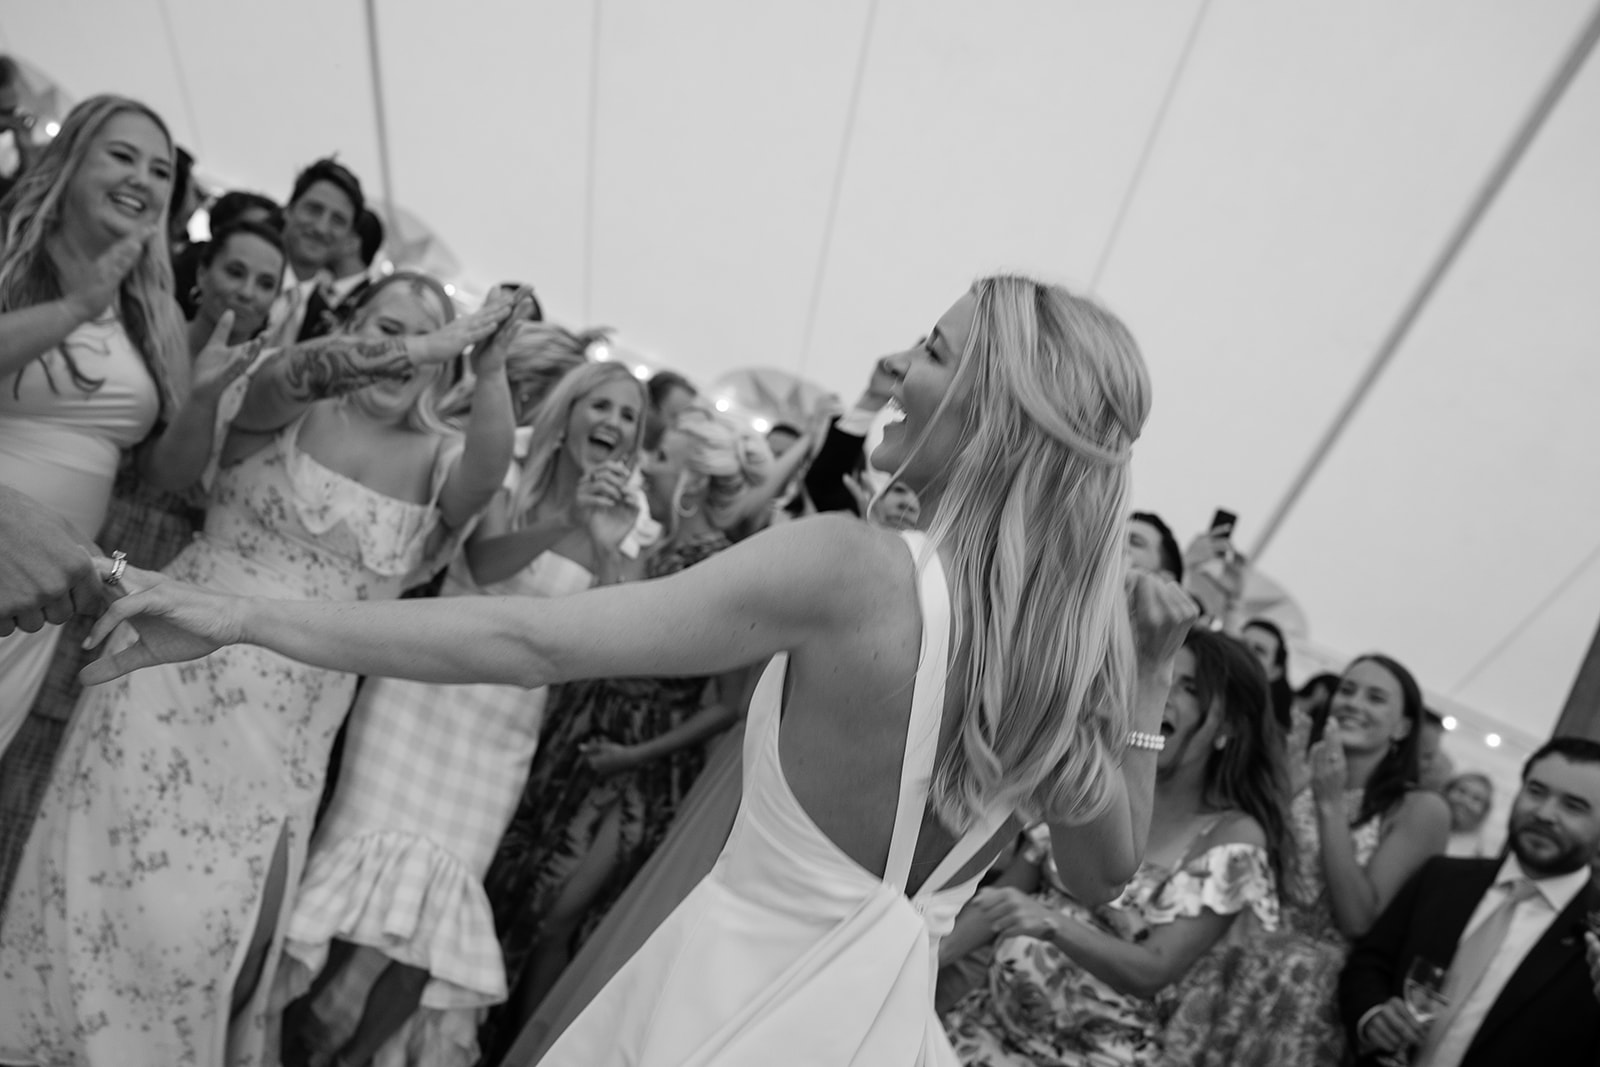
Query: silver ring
x: 119, y: 564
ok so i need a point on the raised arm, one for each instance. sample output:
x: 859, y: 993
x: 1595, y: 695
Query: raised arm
x: 756, y: 499
x: 1358, y: 894
x: 343, y: 363
x: 491, y: 427
x: 1162, y: 615
x: 28, y: 333
x: 772, y: 593
x: 177, y: 458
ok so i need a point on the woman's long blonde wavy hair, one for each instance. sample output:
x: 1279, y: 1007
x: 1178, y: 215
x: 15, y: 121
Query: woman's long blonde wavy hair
x: 31, y: 213
x: 1033, y: 511
x: 550, y: 428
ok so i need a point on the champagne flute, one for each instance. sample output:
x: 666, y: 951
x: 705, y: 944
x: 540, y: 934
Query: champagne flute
x: 1423, y: 997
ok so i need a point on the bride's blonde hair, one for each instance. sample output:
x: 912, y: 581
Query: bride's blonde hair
x: 1033, y: 511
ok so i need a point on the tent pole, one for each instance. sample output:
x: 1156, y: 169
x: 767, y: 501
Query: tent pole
x: 386, y: 176
x: 1571, y: 63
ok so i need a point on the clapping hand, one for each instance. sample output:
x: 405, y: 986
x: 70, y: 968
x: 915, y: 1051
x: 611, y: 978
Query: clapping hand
x: 1328, y: 771
x: 90, y: 299
x: 158, y: 620
x: 603, y: 506
x: 450, y: 340
x: 490, y: 356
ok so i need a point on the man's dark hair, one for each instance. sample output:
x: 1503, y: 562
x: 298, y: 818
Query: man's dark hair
x: 1575, y: 749
x: 1171, y: 556
x: 664, y: 382
x: 369, y: 228
x: 232, y: 206
x: 336, y: 174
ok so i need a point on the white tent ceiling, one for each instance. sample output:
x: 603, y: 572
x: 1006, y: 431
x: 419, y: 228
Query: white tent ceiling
x: 805, y: 184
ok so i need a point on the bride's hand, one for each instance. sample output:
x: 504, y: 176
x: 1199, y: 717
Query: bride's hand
x: 157, y: 620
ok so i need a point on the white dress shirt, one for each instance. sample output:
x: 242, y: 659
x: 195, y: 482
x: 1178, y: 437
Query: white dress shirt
x: 1528, y: 924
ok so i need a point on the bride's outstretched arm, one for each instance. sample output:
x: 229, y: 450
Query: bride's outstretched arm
x: 766, y: 595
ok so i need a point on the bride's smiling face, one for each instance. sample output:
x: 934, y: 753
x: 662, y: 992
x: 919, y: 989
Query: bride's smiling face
x: 929, y: 443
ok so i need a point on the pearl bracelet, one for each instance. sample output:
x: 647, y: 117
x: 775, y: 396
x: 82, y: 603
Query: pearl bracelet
x: 1152, y: 742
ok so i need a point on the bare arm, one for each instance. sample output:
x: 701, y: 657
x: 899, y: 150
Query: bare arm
x: 28, y: 333
x: 177, y: 458
x: 717, y: 712
x: 482, y: 466
x: 784, y: 468
x: 973, y: 929
x: 317, y: 370
x: 495, y: 551
x: 772, y: 593
x: 344, y: 363
x: 1119, y: 834
x: 1357, y: 894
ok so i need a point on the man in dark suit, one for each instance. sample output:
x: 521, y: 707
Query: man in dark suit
x: 1519, y: 989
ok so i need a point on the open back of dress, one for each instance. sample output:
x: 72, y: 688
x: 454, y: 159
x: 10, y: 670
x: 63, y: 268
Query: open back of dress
x: 789, y: 951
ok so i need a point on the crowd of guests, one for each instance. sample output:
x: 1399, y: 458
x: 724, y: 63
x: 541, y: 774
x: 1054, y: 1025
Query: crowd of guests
x: 248, y: 860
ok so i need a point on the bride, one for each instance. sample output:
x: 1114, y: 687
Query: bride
x: 933, y: 692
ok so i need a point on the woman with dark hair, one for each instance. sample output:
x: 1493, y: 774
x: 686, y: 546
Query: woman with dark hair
x: 1070, y: 985
x: 1362, y: 828
x: 152, y: 894
x: 1267, y: 642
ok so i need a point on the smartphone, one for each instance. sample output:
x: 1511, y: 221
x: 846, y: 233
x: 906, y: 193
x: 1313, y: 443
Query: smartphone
x: 1223, y: 522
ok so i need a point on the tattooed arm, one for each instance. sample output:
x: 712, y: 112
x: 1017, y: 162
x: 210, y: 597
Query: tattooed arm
x: 344, y: 363
x: 317, y: 370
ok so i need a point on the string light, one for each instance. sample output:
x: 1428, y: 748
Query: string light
x: 52, y: 128
x: 1450, y: 722
x: 449, y: 290
x: 1493, y: 740
x: 760, y: 425
x: 723, y: 403
x: 600, y: 351
x: 642, y: 373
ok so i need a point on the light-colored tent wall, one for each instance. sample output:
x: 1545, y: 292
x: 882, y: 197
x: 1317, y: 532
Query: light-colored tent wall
x: 808, y: 183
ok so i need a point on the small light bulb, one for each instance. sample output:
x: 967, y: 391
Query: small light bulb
x: 642, y: 373
x: 723, y: 404
x: 1450, y: 722
x: 52, y: 128
x: 760, y: 425
x: 1493, y: 740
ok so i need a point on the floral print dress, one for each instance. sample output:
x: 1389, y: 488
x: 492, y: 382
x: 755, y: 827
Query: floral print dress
x: 146, y: 871
x: 1041, y: 1008
x: 1269, y: 1001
